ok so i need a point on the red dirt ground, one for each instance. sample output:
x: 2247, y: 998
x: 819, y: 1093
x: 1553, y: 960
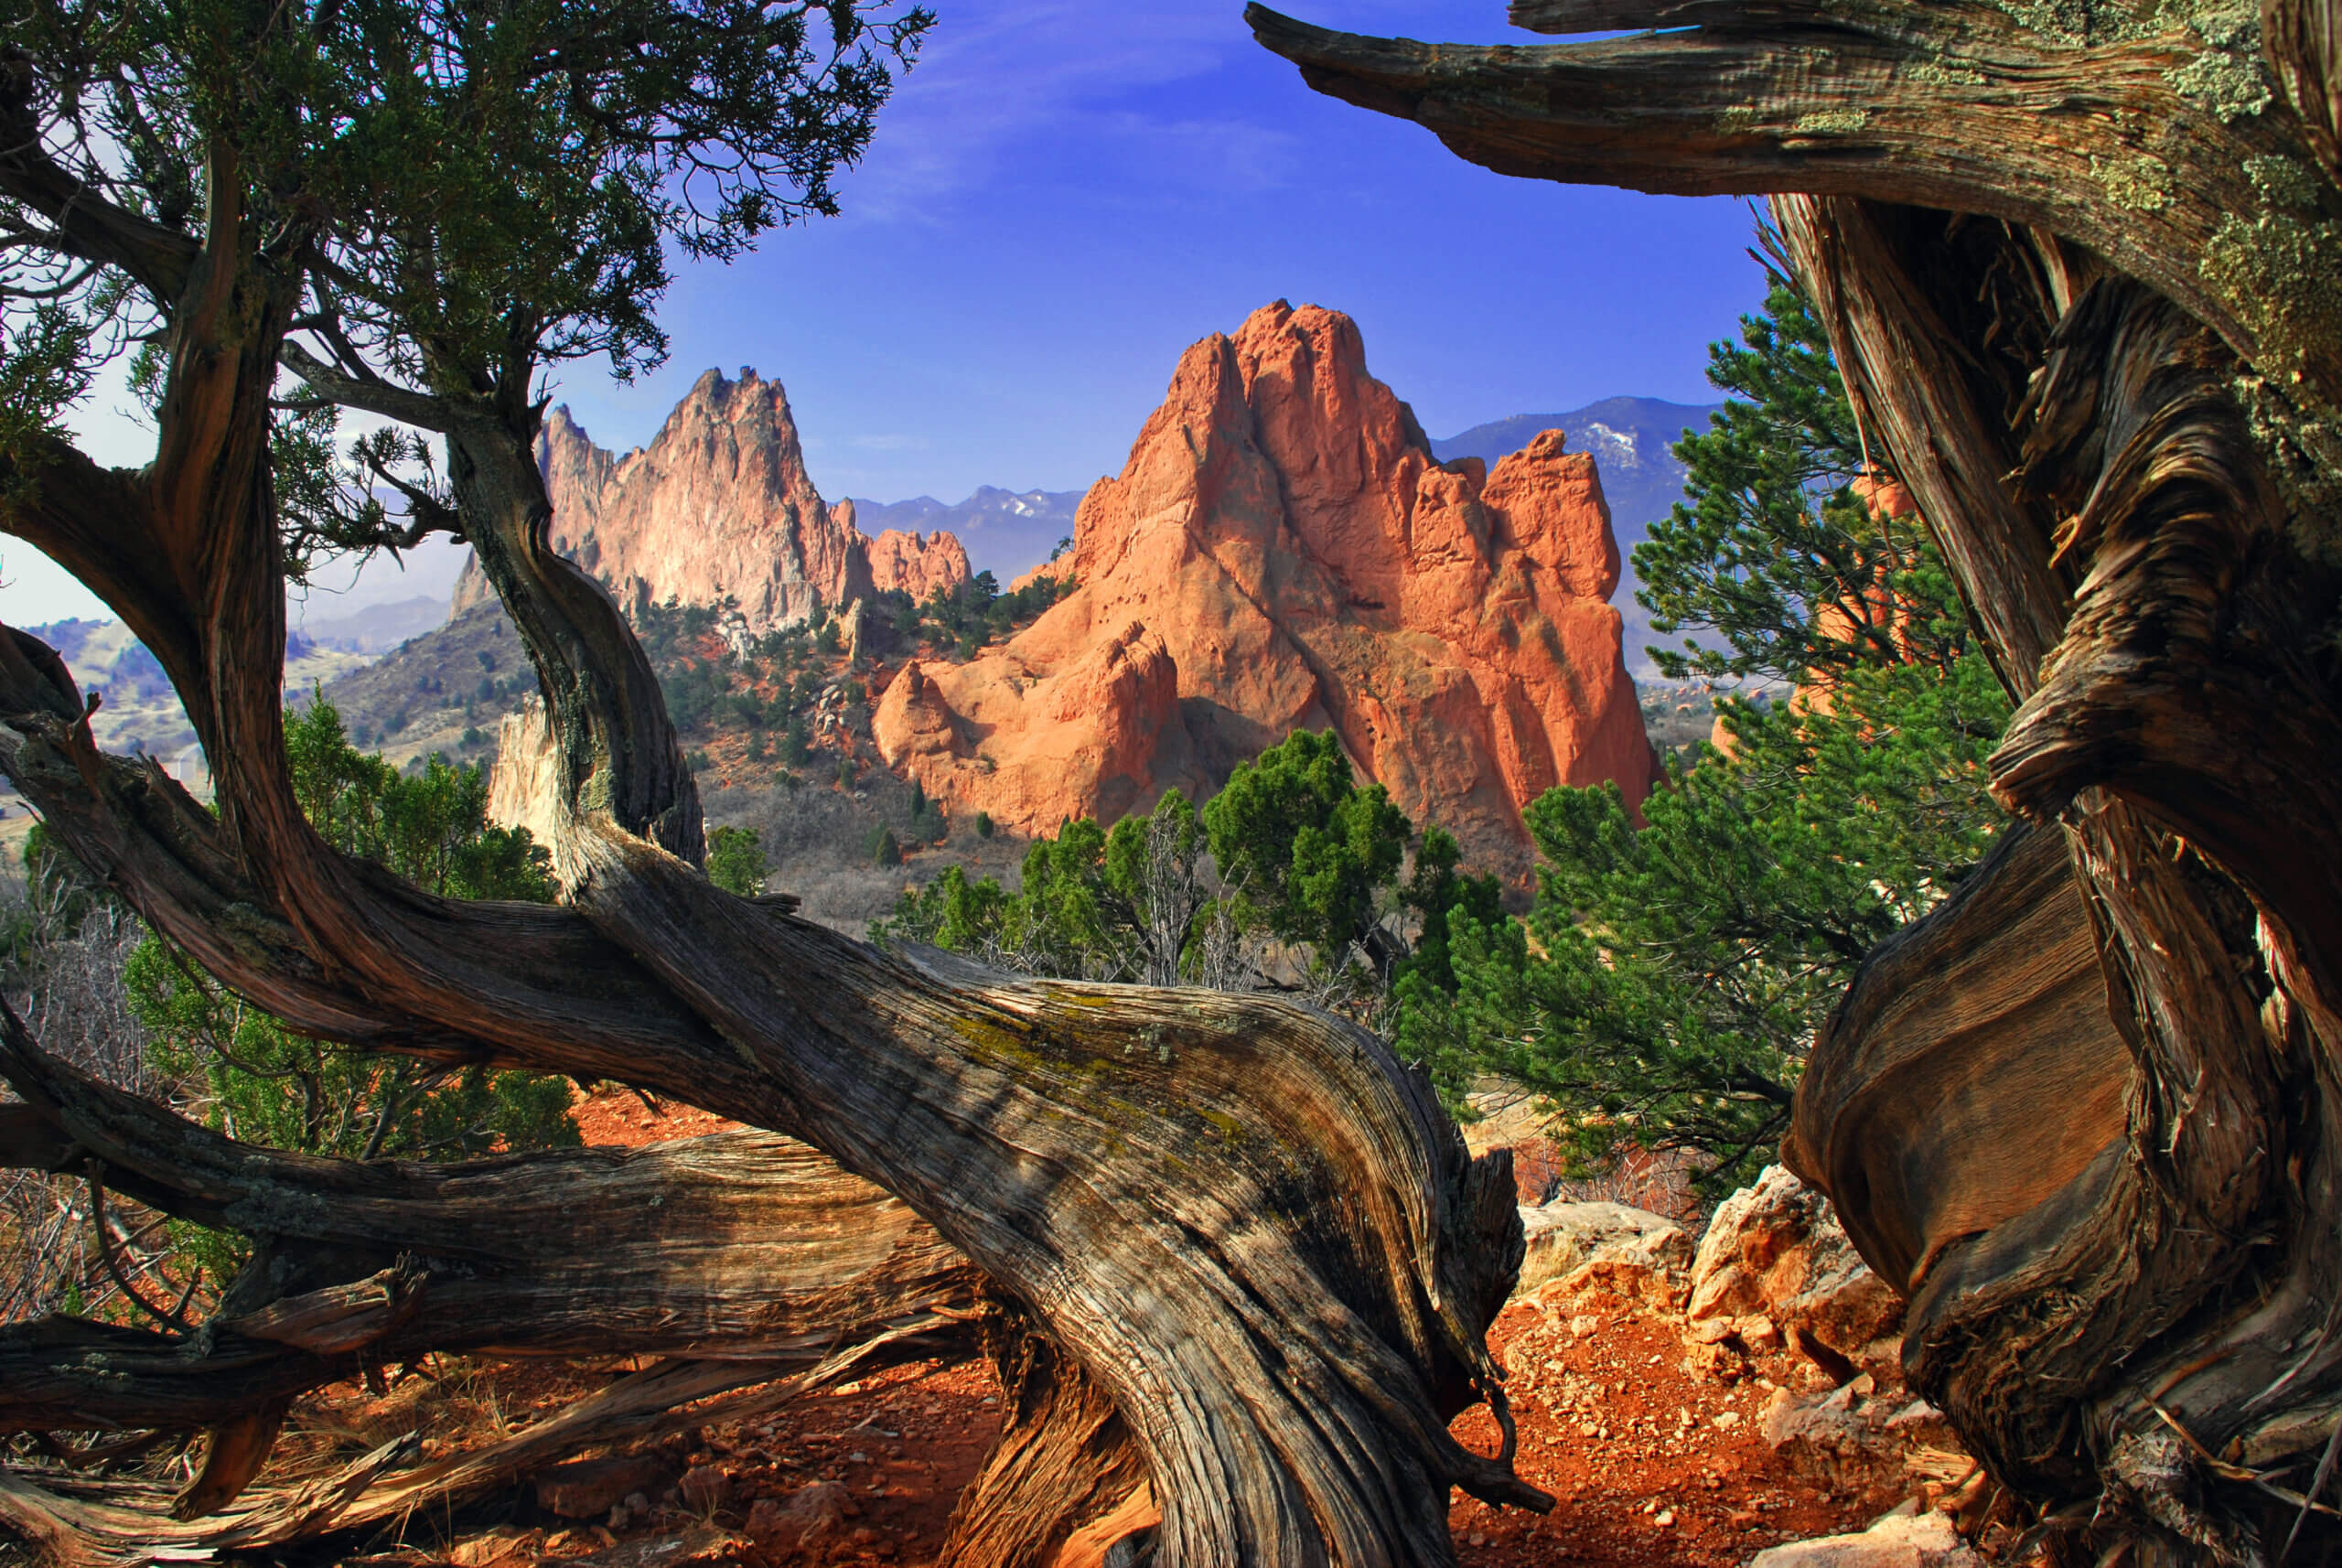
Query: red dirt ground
x: 1651, y: 1463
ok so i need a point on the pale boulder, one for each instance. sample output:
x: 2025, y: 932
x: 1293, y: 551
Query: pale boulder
x: 524, y: 786
x: 1630, y: 1252
x: 812, y: 1513
x: 1899, y: 1540
x: 1841, y: 1437
x: 1775, y: 1252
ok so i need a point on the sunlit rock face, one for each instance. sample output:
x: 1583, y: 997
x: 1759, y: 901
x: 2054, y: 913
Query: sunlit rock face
x: 718, y: 507
x: 1281, y: 551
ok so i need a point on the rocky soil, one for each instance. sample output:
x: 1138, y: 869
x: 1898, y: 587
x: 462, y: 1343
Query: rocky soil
x: 1664, y: 1441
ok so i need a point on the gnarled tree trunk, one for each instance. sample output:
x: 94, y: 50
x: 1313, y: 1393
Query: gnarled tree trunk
x: 1251, y: 1261
x: 2082, y: 266
x: 742, y: 1261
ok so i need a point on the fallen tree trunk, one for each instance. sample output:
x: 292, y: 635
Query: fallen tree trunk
x: 745, y: 1260
x: 742, y: 1246
x: 2078, y: 264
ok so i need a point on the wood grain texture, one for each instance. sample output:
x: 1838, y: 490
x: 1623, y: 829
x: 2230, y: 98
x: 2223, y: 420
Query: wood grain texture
x: 1971, y: 1070
x: 1961, y: 108
x: 2077, y: 265
x: 746, y: 1246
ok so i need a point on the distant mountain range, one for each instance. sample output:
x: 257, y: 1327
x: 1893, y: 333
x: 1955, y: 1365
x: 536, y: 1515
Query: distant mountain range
x: 376, y: 628
x: 1005, y: 533
x: 1631, y: 438
x: 142, y: 714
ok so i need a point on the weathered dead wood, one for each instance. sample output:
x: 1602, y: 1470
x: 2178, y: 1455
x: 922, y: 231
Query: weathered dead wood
x: 127, y: 1524
x: 1938, y: 409
x: 1290, y: 1383
x: 537, y: 972
x: 2065, y: 1339
x: 234, y: 1452
x: 1245, y: 1226
x: 1316, y: 1361
x: 740, y: 1247
x: 1444, y: 1293
x: 748, y: 1257
x: 2152, y: 1287
x: 341, y: 1320
x: 1065, y: 1461
x: 1971, y: 1069
x: 609, y: 719
x: 2080, y: 127
x: 2302, y: 40
x: 2093, y: 330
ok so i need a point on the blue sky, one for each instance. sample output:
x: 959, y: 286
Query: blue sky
x: 1064, y: 194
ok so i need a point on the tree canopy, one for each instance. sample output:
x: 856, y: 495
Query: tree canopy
x: 1292, y: 855
x: 1775, y: 552
x: 419, y: 200
x: 1302, y: 848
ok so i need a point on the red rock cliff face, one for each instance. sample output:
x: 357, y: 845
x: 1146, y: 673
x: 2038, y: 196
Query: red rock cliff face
x: 918, y: 563
x: 1281, y: 551
x: 720, y: 505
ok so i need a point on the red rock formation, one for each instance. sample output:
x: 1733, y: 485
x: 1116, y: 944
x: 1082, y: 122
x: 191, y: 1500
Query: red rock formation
x: 1055, y: 568
x: 1281, y: 551
x: 918, y: 563
x: 1083, y: 739
x: 719, y: 505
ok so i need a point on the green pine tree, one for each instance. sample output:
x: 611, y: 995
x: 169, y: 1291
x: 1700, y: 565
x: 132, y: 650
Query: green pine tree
x: 245, y: 1074
x: 1669, y: 978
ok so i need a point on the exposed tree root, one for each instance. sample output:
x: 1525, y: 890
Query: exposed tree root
x: 130, y: 1523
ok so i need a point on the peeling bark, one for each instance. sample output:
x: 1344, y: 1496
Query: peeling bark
x: 2077, y: 267
x: 1064, y: 1462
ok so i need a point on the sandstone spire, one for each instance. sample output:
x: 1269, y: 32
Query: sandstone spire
x: 1281, y: 551
x: 719, y: 505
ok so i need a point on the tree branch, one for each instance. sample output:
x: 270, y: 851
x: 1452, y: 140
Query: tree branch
x: 422, y: 410
x: 1939, y: 412
x: 743, y: 1247
x: 1954, y: 107
x: 88, y: 224
x: 512, y: 985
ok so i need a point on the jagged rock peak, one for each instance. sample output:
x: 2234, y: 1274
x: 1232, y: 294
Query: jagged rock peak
x: 1281, y: 551
x: 718, y: 505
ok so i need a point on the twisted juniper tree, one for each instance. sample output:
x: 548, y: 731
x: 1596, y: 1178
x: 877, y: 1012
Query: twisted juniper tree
x: 2081, y: 264
x: 1232, y: 1260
